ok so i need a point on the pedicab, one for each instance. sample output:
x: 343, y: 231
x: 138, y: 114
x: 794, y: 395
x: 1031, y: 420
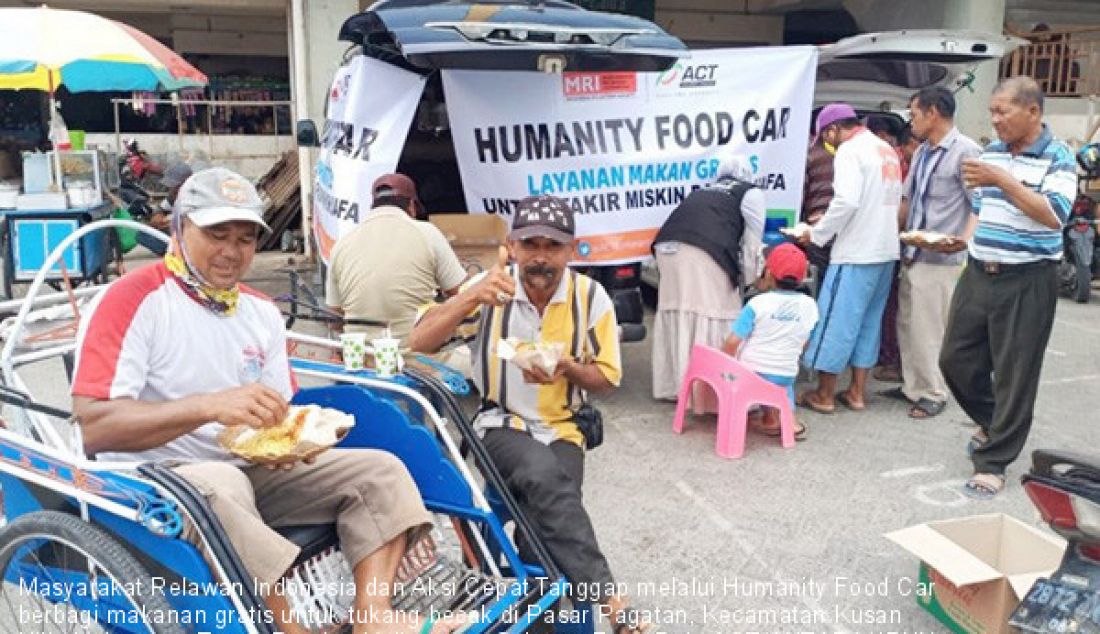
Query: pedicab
x: 88, y: 545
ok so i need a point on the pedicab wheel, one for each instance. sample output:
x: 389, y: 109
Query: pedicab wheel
x: 46, y: 553
x: 1083, y: 284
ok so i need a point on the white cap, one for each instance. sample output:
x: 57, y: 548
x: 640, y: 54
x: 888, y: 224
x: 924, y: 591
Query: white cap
x: 217, y: 195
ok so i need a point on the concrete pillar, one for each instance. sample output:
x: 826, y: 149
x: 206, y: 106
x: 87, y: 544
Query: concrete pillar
x: 972, y: 117
x: 315, y: 54
x: 322, y: 51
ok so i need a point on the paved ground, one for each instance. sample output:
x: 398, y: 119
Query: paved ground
x: 694, y: 534
x: 667, y: 507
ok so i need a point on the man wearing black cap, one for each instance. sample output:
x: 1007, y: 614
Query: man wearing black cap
x: 529, y: 420
x: 392, y: 263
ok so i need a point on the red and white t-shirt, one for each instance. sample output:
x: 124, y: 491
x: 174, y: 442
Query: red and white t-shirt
x: 145, y: 338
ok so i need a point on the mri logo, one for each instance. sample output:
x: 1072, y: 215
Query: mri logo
x: 584, y: 249
x: 754, y: 163
x: 592, y: 85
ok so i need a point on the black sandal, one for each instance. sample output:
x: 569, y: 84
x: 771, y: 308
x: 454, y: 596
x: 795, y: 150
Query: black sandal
x: 895, y: 393
x: 776, y: 432
x: 927, y: 407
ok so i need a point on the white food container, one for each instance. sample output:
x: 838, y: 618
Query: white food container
x: 82, y: 194
x: 9, y: 193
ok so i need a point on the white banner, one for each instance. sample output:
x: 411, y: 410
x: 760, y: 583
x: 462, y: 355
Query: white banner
x: 624, y: 148
x: 365, y: 129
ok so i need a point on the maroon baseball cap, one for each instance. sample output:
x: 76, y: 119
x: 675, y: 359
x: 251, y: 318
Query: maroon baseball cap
x: 395, y: 185
x: 787, y: 262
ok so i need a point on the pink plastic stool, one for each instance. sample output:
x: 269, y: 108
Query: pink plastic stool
x: 738, y: 389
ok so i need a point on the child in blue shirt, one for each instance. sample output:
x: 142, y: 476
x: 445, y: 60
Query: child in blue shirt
x: 774, y: 328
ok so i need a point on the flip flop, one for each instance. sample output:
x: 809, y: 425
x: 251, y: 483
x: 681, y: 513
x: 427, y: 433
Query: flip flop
x: 805, y: 401
x: 630, y: 621
x: 984, y: 486
x: 927, y: 407
x: 842, y: 398
x: 973, y: 444
x: 775, y: 432
x: 895, y: 393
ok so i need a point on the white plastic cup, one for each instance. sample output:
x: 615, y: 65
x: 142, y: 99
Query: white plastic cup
x: 387, y: 356
x: 355, y: 350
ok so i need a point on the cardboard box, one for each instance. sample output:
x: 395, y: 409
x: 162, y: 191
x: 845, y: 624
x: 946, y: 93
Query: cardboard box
x: 476, y: 238
x: 979, y: 568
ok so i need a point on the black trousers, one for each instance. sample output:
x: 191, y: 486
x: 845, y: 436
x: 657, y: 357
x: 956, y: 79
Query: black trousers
x: 546, y: 482
x: 992, y: 355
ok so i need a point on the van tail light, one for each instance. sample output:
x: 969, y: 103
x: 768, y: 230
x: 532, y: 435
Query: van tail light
x: 1062, y: 509
x: 624, y: 272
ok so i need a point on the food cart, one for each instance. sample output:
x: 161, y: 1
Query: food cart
x: 43, y: 214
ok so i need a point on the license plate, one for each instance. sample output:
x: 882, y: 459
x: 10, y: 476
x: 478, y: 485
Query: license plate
x: 1054, y: 607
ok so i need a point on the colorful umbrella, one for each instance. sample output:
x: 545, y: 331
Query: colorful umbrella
x: 43, y: 49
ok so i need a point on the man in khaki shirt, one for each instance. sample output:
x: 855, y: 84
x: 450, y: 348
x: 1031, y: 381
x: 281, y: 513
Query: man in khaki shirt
x: 391, y: 264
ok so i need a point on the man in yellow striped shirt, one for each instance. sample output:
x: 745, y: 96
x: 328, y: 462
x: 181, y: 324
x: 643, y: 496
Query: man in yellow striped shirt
x: 527, y: 421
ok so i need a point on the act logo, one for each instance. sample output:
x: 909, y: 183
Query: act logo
x: 682, y: 75
x: 669, y: 76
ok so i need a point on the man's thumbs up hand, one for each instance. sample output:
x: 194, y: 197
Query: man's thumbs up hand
x: 498, y: 287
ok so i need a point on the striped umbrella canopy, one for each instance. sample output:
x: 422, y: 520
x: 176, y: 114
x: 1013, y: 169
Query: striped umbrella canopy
x: 43, y: 49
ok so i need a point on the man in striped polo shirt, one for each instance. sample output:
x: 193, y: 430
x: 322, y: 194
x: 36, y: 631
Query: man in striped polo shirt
x: 1003, y: 308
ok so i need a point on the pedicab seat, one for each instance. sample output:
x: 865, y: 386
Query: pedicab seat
x: 313, y: 539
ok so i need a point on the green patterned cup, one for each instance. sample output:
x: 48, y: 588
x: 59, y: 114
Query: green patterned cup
x: 387, y: 356
x: 355, y: 350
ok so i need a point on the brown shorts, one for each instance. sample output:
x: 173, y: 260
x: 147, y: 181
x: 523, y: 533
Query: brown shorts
x: 368, y: 494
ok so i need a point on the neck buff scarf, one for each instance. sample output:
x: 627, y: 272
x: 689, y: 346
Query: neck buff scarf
x: 222, y: 302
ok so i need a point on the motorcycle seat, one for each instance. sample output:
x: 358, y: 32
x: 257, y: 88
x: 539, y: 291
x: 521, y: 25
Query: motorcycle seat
x: 1082, y: 472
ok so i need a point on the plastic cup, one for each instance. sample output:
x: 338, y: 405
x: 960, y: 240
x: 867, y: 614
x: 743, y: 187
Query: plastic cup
x: 355, y: 350
x: 387, y: 356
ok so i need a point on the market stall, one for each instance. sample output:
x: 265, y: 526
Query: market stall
x: 39, y: 216
x: 61, y: 190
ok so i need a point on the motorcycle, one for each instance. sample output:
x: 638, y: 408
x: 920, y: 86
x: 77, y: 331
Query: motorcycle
x: 139, y: 204
x: 136, y: 166
x: 1079, y: 257
x: 1066, y: 489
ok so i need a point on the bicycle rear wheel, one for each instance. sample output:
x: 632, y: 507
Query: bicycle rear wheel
x: 62, y: 575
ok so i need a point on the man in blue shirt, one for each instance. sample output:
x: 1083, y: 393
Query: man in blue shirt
x: 1003, y: 308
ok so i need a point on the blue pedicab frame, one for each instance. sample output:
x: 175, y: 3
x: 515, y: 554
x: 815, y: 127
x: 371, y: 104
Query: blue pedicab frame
x: 131, y: 569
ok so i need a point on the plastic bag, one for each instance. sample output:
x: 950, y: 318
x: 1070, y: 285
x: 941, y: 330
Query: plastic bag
x: 127, y: 238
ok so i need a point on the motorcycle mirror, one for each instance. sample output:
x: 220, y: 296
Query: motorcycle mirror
x: 307, y: 134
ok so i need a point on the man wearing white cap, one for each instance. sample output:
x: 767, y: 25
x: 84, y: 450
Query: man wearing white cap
x: 174, y: 352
